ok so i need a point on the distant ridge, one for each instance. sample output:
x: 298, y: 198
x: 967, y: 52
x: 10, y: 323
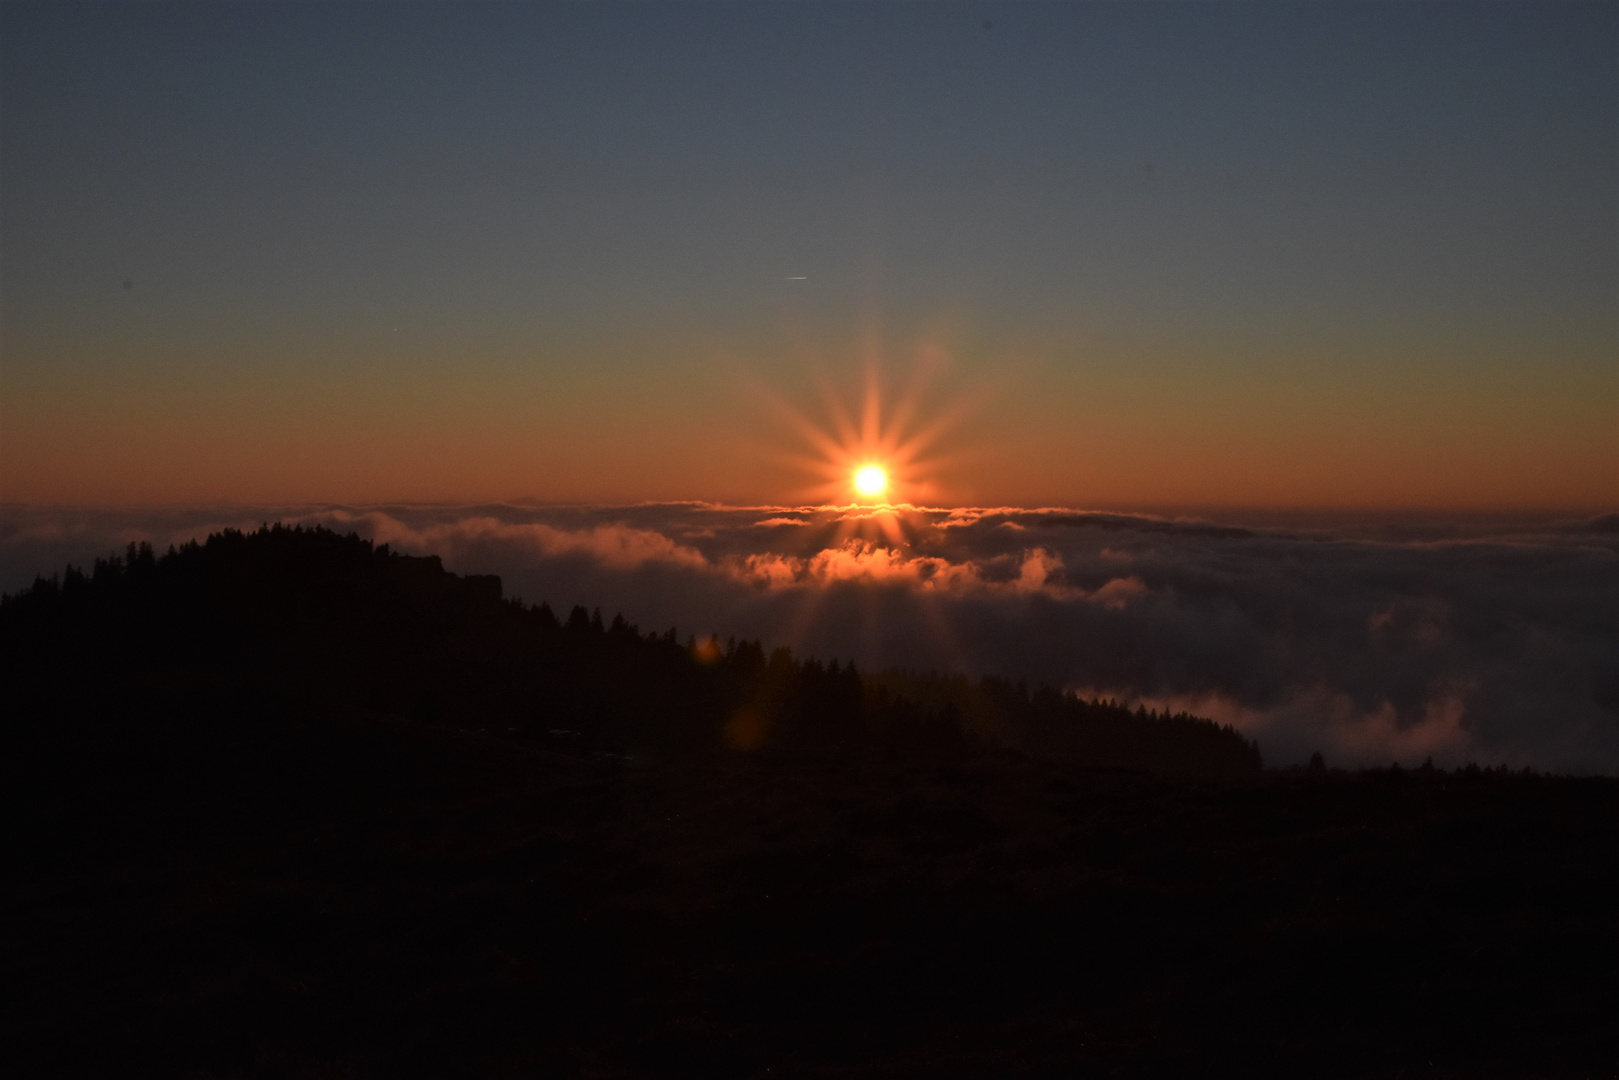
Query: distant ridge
x: 1121, y: 523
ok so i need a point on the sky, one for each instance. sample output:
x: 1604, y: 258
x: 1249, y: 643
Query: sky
x: 1339, y: 257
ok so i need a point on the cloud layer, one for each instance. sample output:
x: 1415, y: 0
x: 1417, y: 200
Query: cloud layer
x: 1466, y: 641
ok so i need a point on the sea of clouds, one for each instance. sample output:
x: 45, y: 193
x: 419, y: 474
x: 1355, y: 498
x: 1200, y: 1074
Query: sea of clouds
x: 1495, y: 642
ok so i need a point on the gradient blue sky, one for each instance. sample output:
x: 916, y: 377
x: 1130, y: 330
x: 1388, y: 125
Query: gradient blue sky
x: 1335, y: 255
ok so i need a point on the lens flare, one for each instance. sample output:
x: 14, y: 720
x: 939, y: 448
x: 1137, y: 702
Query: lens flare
x: 880, y: 454
x: 871, y: 480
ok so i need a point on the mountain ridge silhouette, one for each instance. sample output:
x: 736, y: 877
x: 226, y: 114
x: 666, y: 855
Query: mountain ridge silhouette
x: 310, y: 613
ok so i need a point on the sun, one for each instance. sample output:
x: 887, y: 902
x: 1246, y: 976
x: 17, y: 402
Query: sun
x: 871, y: 480
x: 881, y: 458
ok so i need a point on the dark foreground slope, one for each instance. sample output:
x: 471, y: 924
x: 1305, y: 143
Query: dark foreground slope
x: 292, y: 618
x: 220, y: 872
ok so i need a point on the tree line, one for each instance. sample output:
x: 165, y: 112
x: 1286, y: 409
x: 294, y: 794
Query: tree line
x: 295, y: 617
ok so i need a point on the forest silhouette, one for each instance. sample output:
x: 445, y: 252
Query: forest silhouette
x: 285, y: 803
x: 290, y: 614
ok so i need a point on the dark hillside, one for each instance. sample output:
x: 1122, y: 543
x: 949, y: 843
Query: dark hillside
x: 285, y: 805
x: 300, y: 616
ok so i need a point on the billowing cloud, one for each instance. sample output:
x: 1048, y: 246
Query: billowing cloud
x: 615, y: 546
x: 1457, y: 640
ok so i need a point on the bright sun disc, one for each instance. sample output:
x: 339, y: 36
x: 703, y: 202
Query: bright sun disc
x: 870, y: 480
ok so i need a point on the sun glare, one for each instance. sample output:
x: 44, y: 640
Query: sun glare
x: 870, y: 480
x: 880, y: 457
